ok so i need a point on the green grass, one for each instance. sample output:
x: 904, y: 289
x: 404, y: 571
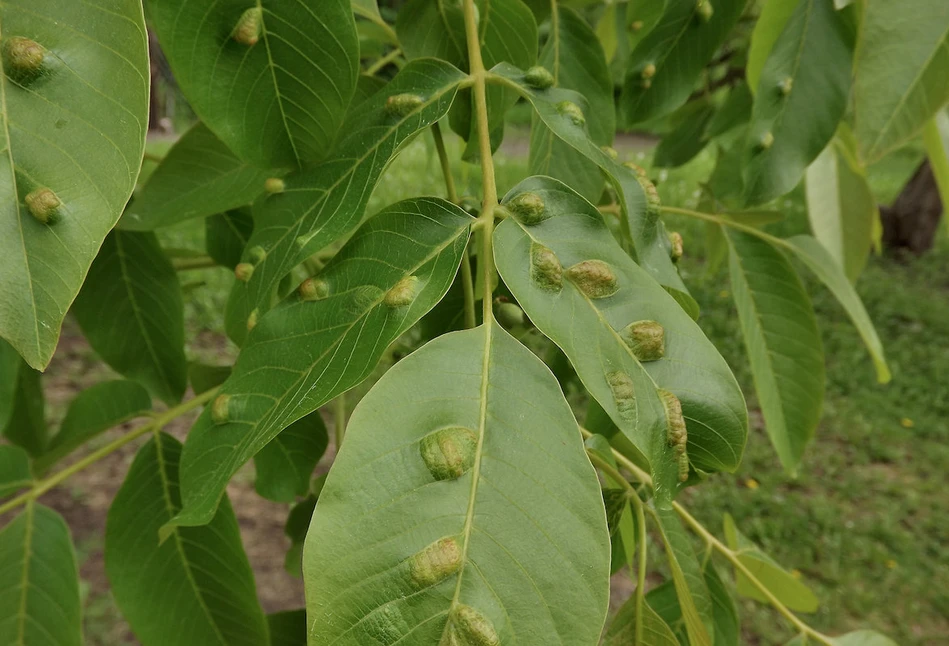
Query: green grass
x: 865, y: 520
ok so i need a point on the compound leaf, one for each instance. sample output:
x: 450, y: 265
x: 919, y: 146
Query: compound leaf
x: 272, y: 81
x: 131, y: 311
x: 453, y: 540
x: 75, y: 127
x: 194, y: 589
x: 305, y: 352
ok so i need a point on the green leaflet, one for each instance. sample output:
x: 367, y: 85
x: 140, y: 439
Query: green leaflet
x: 515, y: 547
x: 648, y: 234
x: 293, y: 363
x: 771, y: 22
x: 622, y: 632
x: 198, y: 177
x: 321, y: 205
x: 226, y: 235
x: 688, y: 138
x: 284, y: 466
x: 936, y: 140
x: 840, y: 206
x: 679, y: 46
x: 691, y: 589
x: 785, y: 587
x: 77, y: 129
x: 196, y: 588
x: 14, y: 469
x: 10, y: 363
x: 94, y: 410
x: 203, y: 377
x: 40, y: 581
x: 855, y: 638
x: 901, y: 78
x: 287, y: 628
x: 298, y: 522
x: 724, y: 612
x: 589, y: 332
x: 131, y: 311
x: 734, y: 112
x: 26, y: 416
x: 783, y: 343
x: 279, y: 102
x: 799, y: 100
x: 575, y: 59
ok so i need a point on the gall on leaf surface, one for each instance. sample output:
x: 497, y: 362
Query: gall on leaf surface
x: 513, y: 550
x: 76, y: 128
x: 590, y: 332
x: 650, y: 242
x: 323, y: 204
x: 276, y: 100
x: 194, y: 589
x: 305, y: 352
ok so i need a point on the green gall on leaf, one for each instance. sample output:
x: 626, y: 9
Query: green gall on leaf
x: 704, y: 10
x: 765, y: 141
x: 243, y: 271
x: 252, y: 319
x: 539, y: 78
x: 400, y: 105
x: 257, y: 254
x: 528, y: 208
x: 653, y: 203
x: 646, y: 84
x: 572, y: 111
x: 646, y: 340
x: 594, y: 278
x: 43, y: 204
x: 682, y: 461
x: 403, y: 293
x: 636, y: 25
x: 387, y: 625
x: 610, y: 152
x: 249, y: 27
x: 23, y: 58
x: 313, y: 289
x: 469, y: 627
x: 274, y: 185
x: 509, y: 315
x: 636, y: 168
x: 676, y: 434
x: 546, y: 270
x: 676, y: 248
x: 449, y: 452
x: 220, y: 409
x: 649, y: 71
x: 624, y: 394
x: 435, y: 563
x: 785, y: 85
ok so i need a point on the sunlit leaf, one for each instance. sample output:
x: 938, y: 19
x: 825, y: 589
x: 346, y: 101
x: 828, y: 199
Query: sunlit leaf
x: 290, y: 365
x: 194, y: 589
x: 274, y: 85
x: 482, y: 548
x: 76, y: 128
x: 131, y: 311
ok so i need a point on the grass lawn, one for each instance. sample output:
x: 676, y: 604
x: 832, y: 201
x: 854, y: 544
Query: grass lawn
x: 866, y: 520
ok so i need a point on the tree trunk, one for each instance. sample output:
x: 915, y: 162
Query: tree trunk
x: 912, y: 221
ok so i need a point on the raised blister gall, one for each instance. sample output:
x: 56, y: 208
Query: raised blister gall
x: 252, y: 319
x: 449, y: 452
x: 528, y: 208
x: 649, y: 71
x: 611, y: 152
x: 539, y: 78
x: 469, y: 627
x: 273, y: 185
x: 594, y: 278
x: 220, y: 409
x: 676, y: 248
x: 676, y: 433
x: 546, y: 270
x: 386, y: 625
x: 509, y: 315
x: 624, y: 394
x: 313, y: 289
x: 646, y: 339
x: 765, y: 141
x: 23, y: 58
x: 435, y: 563
x: 243, y: 271
x: 403, y: 293
x: 636, y: 25
x: 572, y: 111
x: 682, y: 461
x: 785, y: 85
x: 704, y: 10
x: 249, y: 27
x: 43, y: 204
x: 257, y: 254
x: 400, y: 105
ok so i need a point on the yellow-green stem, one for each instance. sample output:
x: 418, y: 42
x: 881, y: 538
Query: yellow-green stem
x: 41, y: 487
x: 198, y: 262
x: 374, y: 69
x: 489, y: 188
x: 717, y: 219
